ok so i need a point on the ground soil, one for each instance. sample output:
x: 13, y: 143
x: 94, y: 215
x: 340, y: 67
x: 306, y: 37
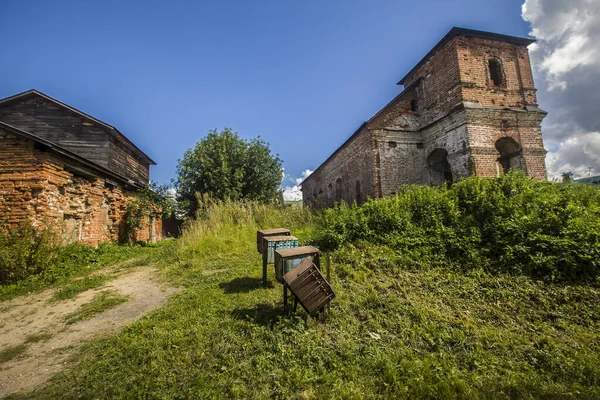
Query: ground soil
x: 37, y: 314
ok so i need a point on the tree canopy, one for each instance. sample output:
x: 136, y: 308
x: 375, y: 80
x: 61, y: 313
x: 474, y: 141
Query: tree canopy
x: 226, y: 166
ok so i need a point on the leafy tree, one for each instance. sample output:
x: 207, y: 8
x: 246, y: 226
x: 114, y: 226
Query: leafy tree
x: 226, y: 166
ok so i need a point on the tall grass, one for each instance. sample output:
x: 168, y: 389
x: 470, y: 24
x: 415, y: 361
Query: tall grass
x: 228, y: 218
x: 512, y: 224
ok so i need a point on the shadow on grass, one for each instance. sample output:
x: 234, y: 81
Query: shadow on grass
x: 243, y: 285
x: 262, y: 314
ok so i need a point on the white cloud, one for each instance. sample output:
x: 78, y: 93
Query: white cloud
x: 293, y: 193
x: 566, y: 63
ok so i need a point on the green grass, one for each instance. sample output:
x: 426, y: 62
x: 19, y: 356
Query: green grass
x: 75, y: 287
x: 38, y: 337
x: 393, y: 332
x: 102, y: 302
x: 80, y: 260
x: 11, y: 352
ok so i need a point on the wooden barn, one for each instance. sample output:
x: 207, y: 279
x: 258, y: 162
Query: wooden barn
x: 64, y: 168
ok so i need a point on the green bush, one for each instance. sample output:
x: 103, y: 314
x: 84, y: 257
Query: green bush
x: 512, y: 224
x: 26, y: 251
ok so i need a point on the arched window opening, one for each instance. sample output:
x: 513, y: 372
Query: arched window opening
x: 330, y: 194
x: 358, y: 194
x: 439, y: 167
x: 511, y: 154
x: 495, y: 69
x: 338, y: 189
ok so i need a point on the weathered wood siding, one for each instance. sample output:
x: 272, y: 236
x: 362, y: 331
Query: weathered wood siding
x: 58, y: 125
x: 74, y: 132
x: 123, y: 159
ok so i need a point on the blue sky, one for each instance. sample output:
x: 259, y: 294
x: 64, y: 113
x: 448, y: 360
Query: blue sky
x: 301, y: 74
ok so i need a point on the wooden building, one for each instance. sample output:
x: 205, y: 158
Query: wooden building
x: 64, y: 168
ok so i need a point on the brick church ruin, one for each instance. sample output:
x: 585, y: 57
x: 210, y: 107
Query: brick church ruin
x: 468, y: 108
x: 64, y: 168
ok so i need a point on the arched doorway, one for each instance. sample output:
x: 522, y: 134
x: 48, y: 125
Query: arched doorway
x: 439, y: 167
x: 338, y: 190
x: 511, y: 154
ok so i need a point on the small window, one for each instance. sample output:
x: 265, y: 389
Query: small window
x: 358, y: 194
x: 419, y: 145
x: 392, y: 144
x: 496, y: 74
x: 414, y: 105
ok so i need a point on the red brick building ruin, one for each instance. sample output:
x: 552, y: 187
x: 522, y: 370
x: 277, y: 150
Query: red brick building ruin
x: 63, y: 168
x: 468, y: 107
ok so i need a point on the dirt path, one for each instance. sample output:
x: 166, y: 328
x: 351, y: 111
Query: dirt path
x: 25, y: 316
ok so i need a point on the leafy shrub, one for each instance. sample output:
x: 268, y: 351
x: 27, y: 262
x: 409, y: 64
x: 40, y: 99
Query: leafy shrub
x: 26, y: 251
x: 512, y: 224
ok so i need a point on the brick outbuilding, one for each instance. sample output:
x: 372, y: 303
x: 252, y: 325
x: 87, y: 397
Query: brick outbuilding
x: 468, y: 107
x: 62, y: 168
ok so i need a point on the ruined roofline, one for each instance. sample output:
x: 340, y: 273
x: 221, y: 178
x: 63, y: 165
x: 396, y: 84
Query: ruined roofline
x: 356, y: 132
x: 66, y: 153
x: 455, y: 31
x: 111, y: 128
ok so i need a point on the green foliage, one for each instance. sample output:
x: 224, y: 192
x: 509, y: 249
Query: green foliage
x: 226, y: 166
x: 102, y: 302
x: 73, y: 260
x: 149, y: 204
x: 511, y: 224
x: 26, y: 252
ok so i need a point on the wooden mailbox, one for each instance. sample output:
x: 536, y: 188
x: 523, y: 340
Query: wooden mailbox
x: 272, y: 243
x: 309, y: 287
x: 269, y: 232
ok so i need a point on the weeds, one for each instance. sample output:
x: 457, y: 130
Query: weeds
x: 75, y: 287
x: 12, y: 352
x: 102, y: 302
x: 39, y: 337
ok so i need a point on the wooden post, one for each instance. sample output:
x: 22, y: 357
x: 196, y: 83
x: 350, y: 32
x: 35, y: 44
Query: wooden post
x: 285, y: 299
x: 264, y: 280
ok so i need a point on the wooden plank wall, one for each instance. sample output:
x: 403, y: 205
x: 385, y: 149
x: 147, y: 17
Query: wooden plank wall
x: 75, y: 133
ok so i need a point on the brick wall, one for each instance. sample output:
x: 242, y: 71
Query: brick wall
x: 461, y: 112
x: 41, y: 187
x: 353, y: 163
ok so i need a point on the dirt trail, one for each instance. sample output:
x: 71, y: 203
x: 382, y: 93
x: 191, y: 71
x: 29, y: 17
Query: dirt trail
x: 34, y: 315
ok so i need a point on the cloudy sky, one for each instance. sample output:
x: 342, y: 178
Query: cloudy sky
x: 566, y: 60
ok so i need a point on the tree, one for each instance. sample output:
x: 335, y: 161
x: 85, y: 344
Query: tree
x: 226, y: 166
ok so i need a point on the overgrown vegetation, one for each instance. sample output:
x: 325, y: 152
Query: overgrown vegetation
x: 102, y: 302
x: 403, y: 324
x: 150, y: 203
x: 509, y: 225
x: 26, y: 251
x: 60, y: 263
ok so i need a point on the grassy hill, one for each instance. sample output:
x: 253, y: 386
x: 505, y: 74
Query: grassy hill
x: 405, y: 323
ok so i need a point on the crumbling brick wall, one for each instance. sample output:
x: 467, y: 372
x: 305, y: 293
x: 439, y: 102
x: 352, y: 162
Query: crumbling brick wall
x: 37, y: 186
x: 454, y: 106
